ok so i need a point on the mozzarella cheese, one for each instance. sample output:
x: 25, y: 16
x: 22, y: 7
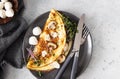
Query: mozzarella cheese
x: 55, y: 64
x: 44, y: 53
x: 2, y: 13
x: 8, y: 5
x: 4, y: 1
x: 1, y: 5
x: 6, y: 9
x: 33, y: 40
x: 37, y: 31
x: 9, y: 13
x: 54, y: 34
x: 47, y: 37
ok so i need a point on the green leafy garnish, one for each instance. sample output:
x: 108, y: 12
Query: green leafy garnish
x: 53, y: 54
x: 38, y: 62
x: 39, y: 73
x: 71, y: 27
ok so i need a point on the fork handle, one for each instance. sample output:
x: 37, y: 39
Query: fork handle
x: 74, y: 66
x: 60, y: 72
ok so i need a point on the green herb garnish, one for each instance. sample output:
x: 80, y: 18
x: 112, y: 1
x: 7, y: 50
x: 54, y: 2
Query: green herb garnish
x: 53, y: 54
x: 71, y: 27
x: 37, y: 62
x: 39, y: 73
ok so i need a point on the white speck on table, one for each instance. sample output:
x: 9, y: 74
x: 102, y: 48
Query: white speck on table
x: 103, y: 20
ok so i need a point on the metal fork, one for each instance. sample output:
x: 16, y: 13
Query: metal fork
x: 85, y: 33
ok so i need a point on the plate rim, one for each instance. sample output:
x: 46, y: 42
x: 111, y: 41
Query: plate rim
x: 23, y: 48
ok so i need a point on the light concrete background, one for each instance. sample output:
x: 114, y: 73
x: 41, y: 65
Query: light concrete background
x: 103, y: 20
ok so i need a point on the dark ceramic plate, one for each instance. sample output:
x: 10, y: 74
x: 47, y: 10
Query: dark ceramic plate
x: 85, y: 51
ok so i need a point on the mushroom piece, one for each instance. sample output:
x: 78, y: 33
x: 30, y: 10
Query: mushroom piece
x: 51, y: 25
x: 61, y: 59
x: 52, y: 45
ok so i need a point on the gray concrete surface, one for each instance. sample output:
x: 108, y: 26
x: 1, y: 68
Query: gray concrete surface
x: 103, y: 19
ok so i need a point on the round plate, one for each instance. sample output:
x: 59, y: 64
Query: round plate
x: 85, y: 51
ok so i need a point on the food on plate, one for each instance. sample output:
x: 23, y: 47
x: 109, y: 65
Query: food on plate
x: 33, y: 40
x: 36, y: 31
x: 54, y: 43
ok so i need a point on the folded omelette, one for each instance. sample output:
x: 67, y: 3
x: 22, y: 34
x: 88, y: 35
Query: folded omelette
x: 52, y: 44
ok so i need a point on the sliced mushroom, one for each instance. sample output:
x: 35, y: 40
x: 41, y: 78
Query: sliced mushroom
x: 52, y: 25
x: 50, y: 49
x: 50, y: 44
x: 61, y: 59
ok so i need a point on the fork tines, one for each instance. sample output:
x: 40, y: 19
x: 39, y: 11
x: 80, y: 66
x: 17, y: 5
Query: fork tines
x: 85, y: 32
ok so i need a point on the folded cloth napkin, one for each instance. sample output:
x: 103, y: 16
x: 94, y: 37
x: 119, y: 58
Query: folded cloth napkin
x: 11, y: 43
x: 14, y: 54
x: 11, y: 35
x: 1, y: 73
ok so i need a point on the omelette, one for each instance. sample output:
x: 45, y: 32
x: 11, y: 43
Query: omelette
x: 51, y: 45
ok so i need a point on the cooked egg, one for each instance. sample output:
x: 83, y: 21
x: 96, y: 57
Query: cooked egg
x: 4, y: 1
x: 1, y: 5
x: 55, y: 64
x: 33, y: 40
x: 2, y: 13
x: 8, y: 5
x: 37, y: 31
x: 44, y: 53
x: 9, y: 13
